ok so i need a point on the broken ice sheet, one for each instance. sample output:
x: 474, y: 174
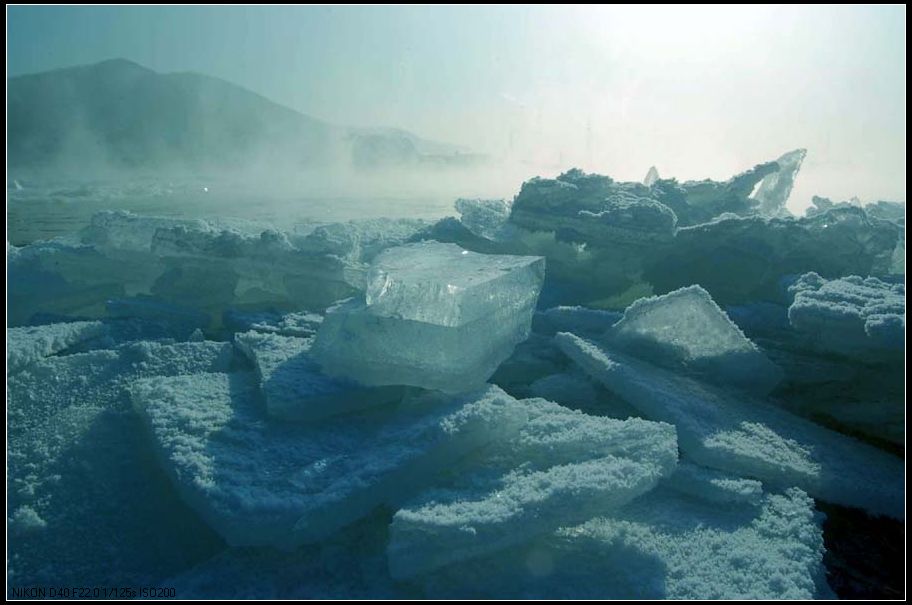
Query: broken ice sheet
x: 78, y: 468
x: 434, y: 316
x: 293, y: 385
x: 259, y: 482
x: 686, y: 330
x: 852, y: 316
x: 563, y: 467
x: 28, y: 344
x: 748, y: 437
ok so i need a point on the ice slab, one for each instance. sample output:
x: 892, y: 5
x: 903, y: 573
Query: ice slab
x: 773, y: 191
x: 361, y: 240
x: 293, y: 385
x: 26, y: 345
x: 593, y: 209
x: 563, y: 467
x: 686, y: 330
x: 662, y: 545
x: 852, y: 316
x: 263, y: 483
x: 750, y: 255
x: 576, y: 319
x: 750, y: 437
x: 652, y: 175
x: 434, y: 316
x: 78, y: 468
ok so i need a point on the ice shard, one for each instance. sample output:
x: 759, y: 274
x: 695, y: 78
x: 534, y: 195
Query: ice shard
x: 687, y: 331
x: 747, y: 437
x: 773, y: 191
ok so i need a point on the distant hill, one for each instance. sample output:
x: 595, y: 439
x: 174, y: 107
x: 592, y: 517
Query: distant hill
x: 121, y: 115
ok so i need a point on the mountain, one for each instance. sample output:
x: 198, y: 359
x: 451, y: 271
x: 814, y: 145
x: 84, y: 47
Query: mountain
x: 121, y: 115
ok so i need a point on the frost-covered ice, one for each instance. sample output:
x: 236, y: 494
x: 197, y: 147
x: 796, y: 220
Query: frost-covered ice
x: 564, y: 466
x: 28, y: 344
x: 662, y: 545
x: 78, y: 468
x: 861, y: 318
x: 485, y: 218
x: 265, y: 483
x: 434, y: 316
x: 686, y: 330
x: 750, y: 437
x: 293, y: 385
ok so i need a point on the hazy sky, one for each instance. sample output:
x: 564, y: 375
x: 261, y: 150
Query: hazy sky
x: 699, y: 92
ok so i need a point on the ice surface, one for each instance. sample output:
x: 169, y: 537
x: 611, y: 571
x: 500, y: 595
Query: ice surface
x: 750, y: 437
x: 28, y: 344
x: 263, y: 483
x: 686, y: 330
x: 751, y: 255
x: 78, y: 469
x: 590, y: 208
x: 563, y: 467
x: 576, y: 319
x: 435, y: 316
x: 773, y: 191
x: 713, y: 486
x: 662, y: 545
x: 853, y: 316
x: 302, y: 324
x: 293, y: 385
x: 485, y: 218
x: 359, y: 241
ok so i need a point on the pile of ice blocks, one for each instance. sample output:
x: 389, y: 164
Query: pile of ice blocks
x: 541, y: 399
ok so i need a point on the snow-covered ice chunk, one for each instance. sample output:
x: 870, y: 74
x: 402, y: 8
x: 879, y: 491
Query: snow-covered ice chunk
x: 293, y: 385
x: 687, y: 330
x: 750, y: 437
x: 28, y: 344
x: 359, y: 240
x: 853, y: 316
x: 593, y: 209
x: 263, y: 483
x: 434, y: 316
x: 773, y: 191
x: 662, y: 545
x: 563, y: 467
x: 118, y: 231
x: 78, y: 468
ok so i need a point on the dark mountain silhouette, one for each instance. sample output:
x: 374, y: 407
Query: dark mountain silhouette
x: 122, y: 115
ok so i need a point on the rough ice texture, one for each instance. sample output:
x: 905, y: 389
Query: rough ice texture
x: 262, y: 483
x: 751, y: 438
x: 28, y: 344
x: 485, y: 218
x: 435, y: 317
x: 852, y: 316
x: 590, y: 208
x: 78, y: 468
x: 695, y: 202
x: 361, y: 240
x: 302, y: 324
x: 662, y: 545
x: 750, y: 255
x: 563, y: 467
x: 293, y: 385
x: 773, y: 191
x: 120, y: 231
x: 713, y: 486
x: 686, y: 330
